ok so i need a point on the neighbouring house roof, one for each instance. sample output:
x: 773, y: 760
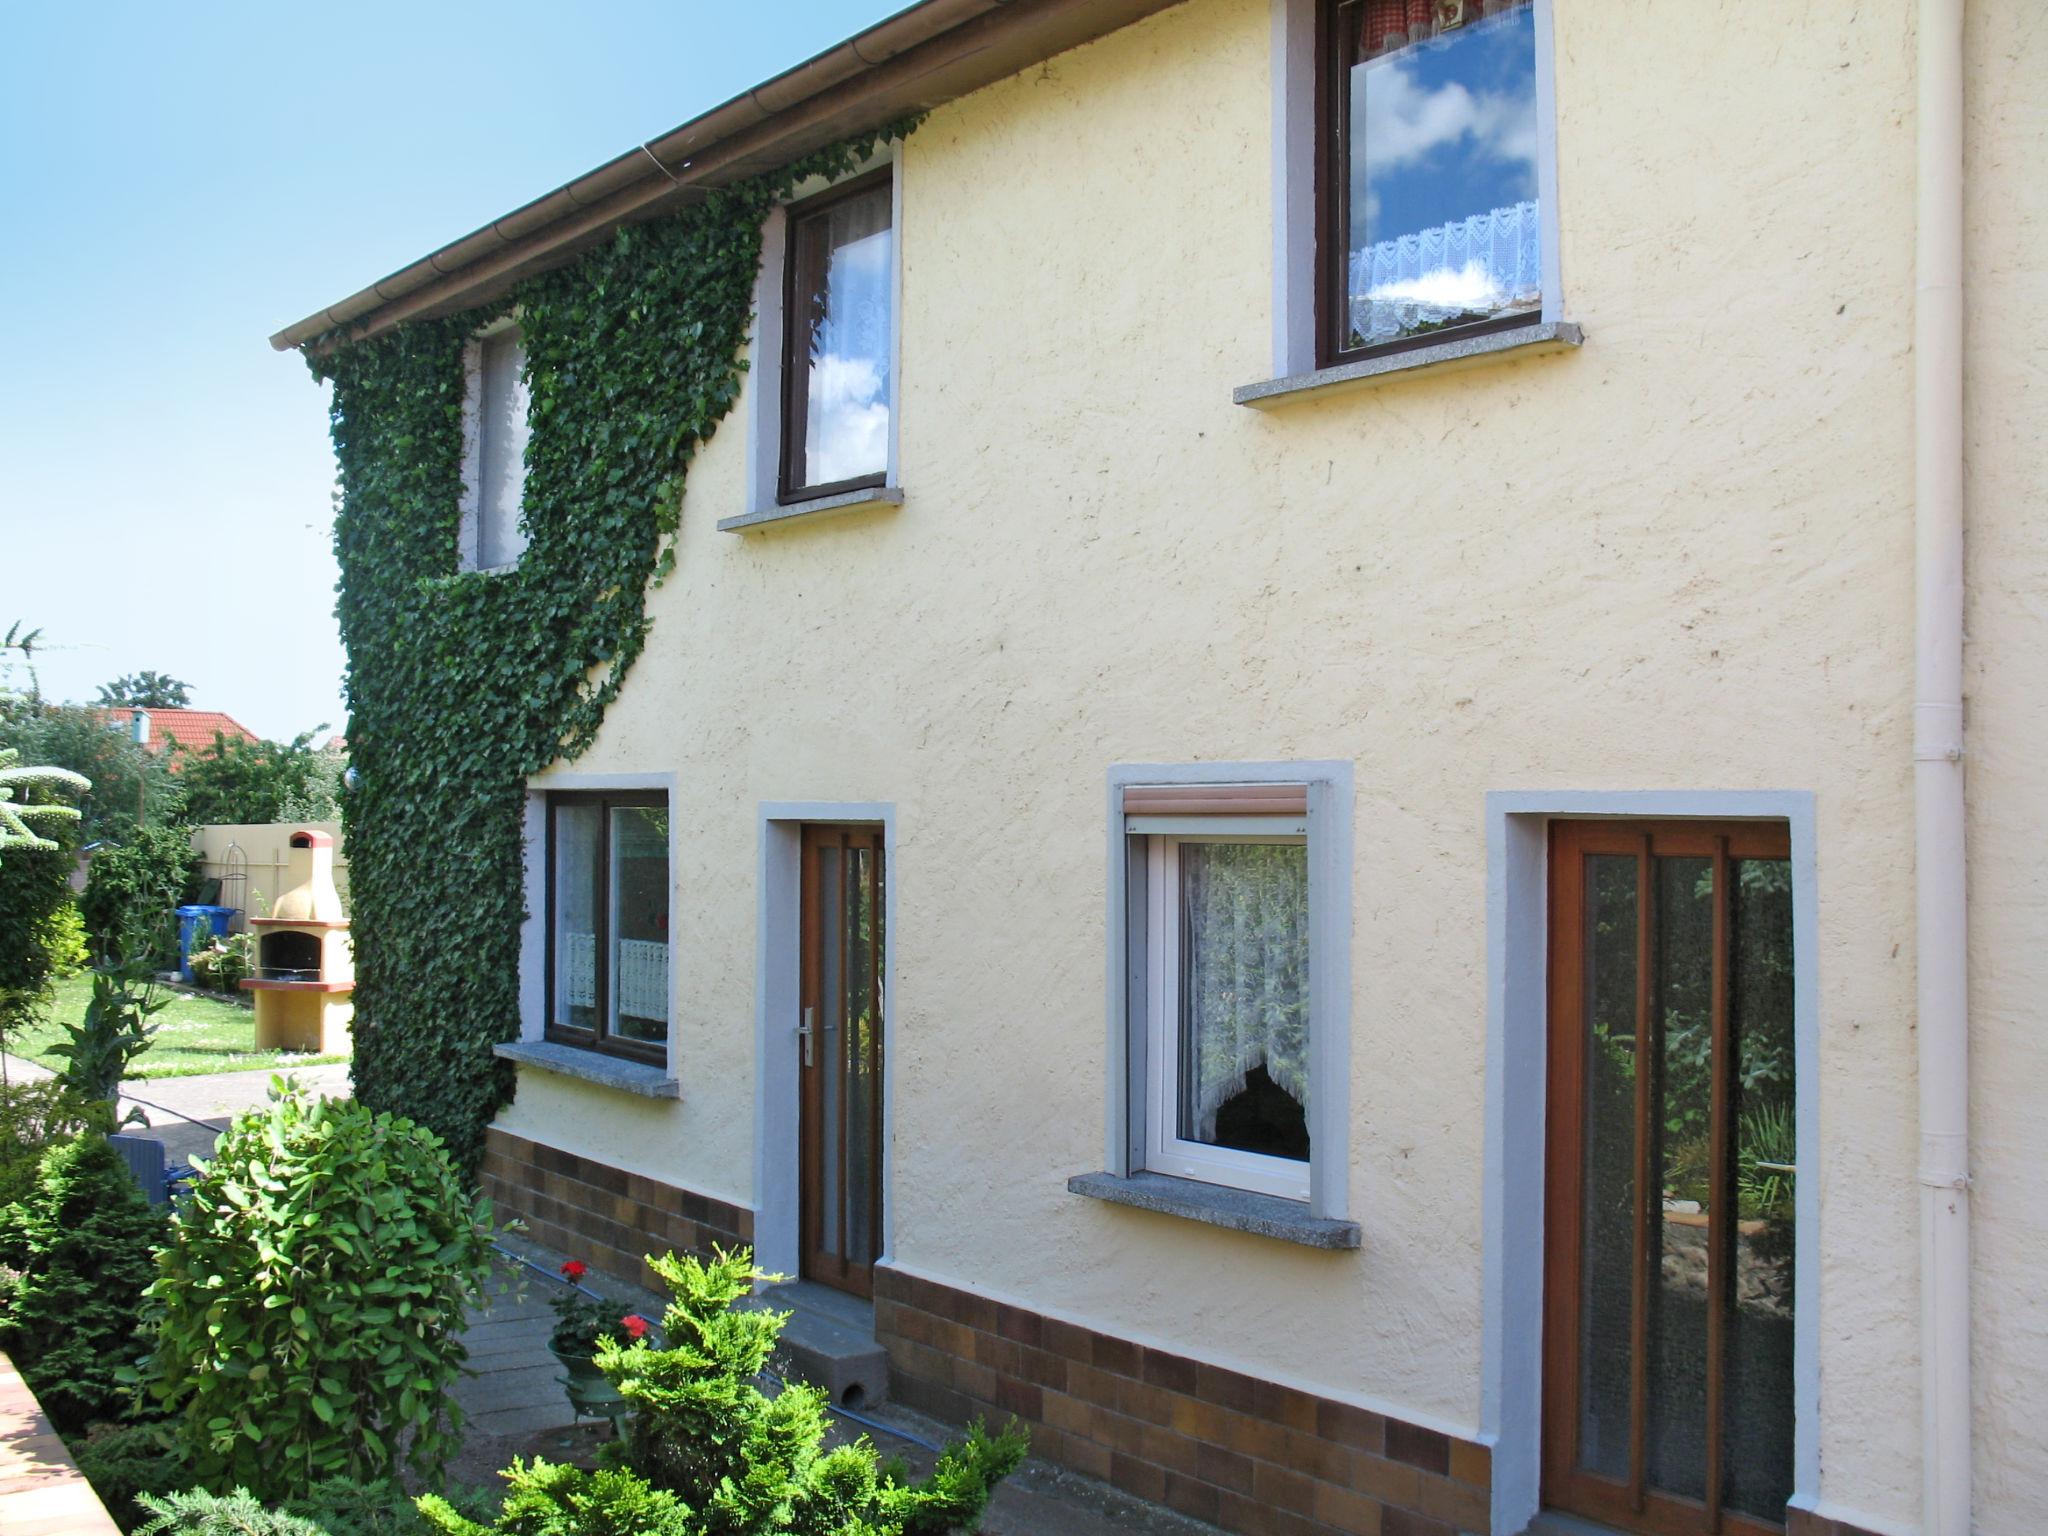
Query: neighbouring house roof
x: 191, y: 729
x: 925, y: 55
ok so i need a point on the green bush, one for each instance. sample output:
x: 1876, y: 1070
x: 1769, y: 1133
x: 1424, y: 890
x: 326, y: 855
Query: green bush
x: 124, y: 1462
x: 82, y: 1246
x: 313, y: 1288
x: 62, y: 936
x: 32, y: 1117
x: 198, y: 1513
x: 132, y: 892
x: 707, y: 1453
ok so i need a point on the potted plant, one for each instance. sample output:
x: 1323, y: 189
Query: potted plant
x: 581, y: 1319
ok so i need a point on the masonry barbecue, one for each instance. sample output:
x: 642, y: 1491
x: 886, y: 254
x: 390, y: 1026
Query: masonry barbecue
x: 305, y: 967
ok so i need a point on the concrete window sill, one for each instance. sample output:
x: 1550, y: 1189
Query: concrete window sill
x: 819, y: 506
x: 649, y: 1082
x: 1467, y: 352
x: 1237, y: 1209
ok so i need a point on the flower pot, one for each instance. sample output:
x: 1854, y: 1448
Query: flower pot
x: 591, y: 1394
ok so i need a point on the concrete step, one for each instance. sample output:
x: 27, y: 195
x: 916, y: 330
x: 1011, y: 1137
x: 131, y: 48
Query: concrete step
x: 829, y: 1342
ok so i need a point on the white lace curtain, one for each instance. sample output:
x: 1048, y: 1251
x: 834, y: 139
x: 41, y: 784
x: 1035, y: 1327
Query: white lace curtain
x: 1244, y: 974
x: 1490, y: 263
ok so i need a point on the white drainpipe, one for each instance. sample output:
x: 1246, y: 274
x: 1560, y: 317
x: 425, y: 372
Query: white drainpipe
x: 1941, y: 895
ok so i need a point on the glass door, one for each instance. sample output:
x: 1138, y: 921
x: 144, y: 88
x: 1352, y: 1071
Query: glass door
x: 840, y: 1055
x: 1667, y: 1398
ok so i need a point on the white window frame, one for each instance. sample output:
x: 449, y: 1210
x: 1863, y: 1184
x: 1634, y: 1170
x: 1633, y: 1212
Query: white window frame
x: 1165, y: 1150
x: 1327, y: 831
x: 470, y: 535
x: 1294, y: 181
x: 764, y: 359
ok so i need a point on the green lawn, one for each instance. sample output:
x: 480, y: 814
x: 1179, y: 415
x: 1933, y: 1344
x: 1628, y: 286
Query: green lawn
x: 194, y: 1035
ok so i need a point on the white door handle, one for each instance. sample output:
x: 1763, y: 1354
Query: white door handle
x: 806, y: 1032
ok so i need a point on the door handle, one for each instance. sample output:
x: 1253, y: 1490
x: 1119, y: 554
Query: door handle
x: 806, y: 1032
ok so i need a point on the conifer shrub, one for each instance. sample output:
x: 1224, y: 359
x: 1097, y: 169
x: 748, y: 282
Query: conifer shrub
x: 80, y: 1247
x: 313, y: 1287
x: 707, y: 1453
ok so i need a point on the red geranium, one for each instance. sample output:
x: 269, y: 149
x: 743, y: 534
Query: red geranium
x: 634, y: 1324
x: 574, y: 1269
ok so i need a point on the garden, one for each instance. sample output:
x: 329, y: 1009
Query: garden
x: 270, y: 1350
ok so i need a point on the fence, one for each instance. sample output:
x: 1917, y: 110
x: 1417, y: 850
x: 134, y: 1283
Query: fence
x: 262, y: 847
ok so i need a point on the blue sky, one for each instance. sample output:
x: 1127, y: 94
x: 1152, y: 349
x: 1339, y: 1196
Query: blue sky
x: 183, y: 180
x: 1448, y: 130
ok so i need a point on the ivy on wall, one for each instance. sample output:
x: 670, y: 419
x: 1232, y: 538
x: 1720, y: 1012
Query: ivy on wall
x: 460, y: 685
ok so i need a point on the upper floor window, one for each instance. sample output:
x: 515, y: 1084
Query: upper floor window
x: 1429, y: 218
x: 838, y: 340
x: 494, y: 449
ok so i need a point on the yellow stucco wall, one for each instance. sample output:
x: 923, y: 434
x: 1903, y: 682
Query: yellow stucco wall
x: 1680, y: 558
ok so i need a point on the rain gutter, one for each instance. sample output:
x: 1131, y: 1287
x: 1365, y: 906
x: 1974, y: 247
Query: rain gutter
x: 923, y: 56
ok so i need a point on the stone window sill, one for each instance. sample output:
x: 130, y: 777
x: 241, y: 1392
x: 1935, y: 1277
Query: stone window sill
x: 1466, y: 352
x: 1237, y: 1209
x: 817, y: 506
x: 649, y: 1082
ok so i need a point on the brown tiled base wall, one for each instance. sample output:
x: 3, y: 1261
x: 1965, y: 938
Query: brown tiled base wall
x: 1799, y: 1522
x: 605, y: 1217
x: 1245, y: 1454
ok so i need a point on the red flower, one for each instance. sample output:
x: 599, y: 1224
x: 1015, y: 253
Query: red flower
x: 574, y: 1269
x: 634, y: 1324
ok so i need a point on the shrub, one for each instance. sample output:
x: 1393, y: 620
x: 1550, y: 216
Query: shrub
x: 32, y: 1116
x: 198, y: 1513
x: 125, y: 1461
x: 221, y: 962
x: 82, y: 1245
x: 132, y: 892
x: 707, y: 1453
x: 338, y: 1508
x: 62, y: 937
x: 313, y: 1289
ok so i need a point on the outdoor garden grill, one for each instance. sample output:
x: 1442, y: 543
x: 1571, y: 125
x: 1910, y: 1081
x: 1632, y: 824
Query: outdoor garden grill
x: 305, y: 967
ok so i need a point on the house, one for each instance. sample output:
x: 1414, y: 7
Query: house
x: 1301, y: 791
x: 177, y: 731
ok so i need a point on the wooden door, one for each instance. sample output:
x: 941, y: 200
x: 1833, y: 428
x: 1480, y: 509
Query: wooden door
x: 840, y: 1055
x: 1667, y: 1387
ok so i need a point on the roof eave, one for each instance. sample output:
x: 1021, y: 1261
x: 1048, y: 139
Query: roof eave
x: 923, y: 56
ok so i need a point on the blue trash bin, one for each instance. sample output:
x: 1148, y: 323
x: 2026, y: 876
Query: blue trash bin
x: 215, y: 919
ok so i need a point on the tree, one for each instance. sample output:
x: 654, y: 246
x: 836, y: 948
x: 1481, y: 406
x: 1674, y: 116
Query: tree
x: 128, y: 781
x: 146, y: 690
x: 235, y: 780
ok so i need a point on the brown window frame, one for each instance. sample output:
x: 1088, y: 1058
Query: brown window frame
x: 599, y: 1037
x: 796, y: 375
x: 1332, y: 243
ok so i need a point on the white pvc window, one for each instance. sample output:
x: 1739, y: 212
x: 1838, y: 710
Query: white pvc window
x: 1228, y: 1050
x: 496, y: 428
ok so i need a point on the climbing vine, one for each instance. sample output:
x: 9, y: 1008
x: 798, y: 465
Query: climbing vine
x: 460, y: 685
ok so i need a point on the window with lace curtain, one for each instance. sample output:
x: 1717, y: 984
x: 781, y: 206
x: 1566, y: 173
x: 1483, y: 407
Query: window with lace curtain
x: 607, y: 920
x: 1429, y: 218
x: 838, y: 300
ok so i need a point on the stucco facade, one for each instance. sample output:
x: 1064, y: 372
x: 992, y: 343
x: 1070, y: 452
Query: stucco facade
x: 1678, y: 558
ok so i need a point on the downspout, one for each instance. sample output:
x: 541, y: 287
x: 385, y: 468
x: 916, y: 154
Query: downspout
x: 1941, y: 894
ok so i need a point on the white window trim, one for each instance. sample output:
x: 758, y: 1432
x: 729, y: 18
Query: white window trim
x: 764, y: 357
x: 1165, y: 1151
x: 1127, y: 982
x: 469, y: 537
x: 1294, y: 181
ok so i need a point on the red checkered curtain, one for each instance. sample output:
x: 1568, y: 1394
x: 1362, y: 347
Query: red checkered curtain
x: 1387, y: 26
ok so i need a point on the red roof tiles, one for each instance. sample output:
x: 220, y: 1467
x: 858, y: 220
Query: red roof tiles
x: 191, y: 729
